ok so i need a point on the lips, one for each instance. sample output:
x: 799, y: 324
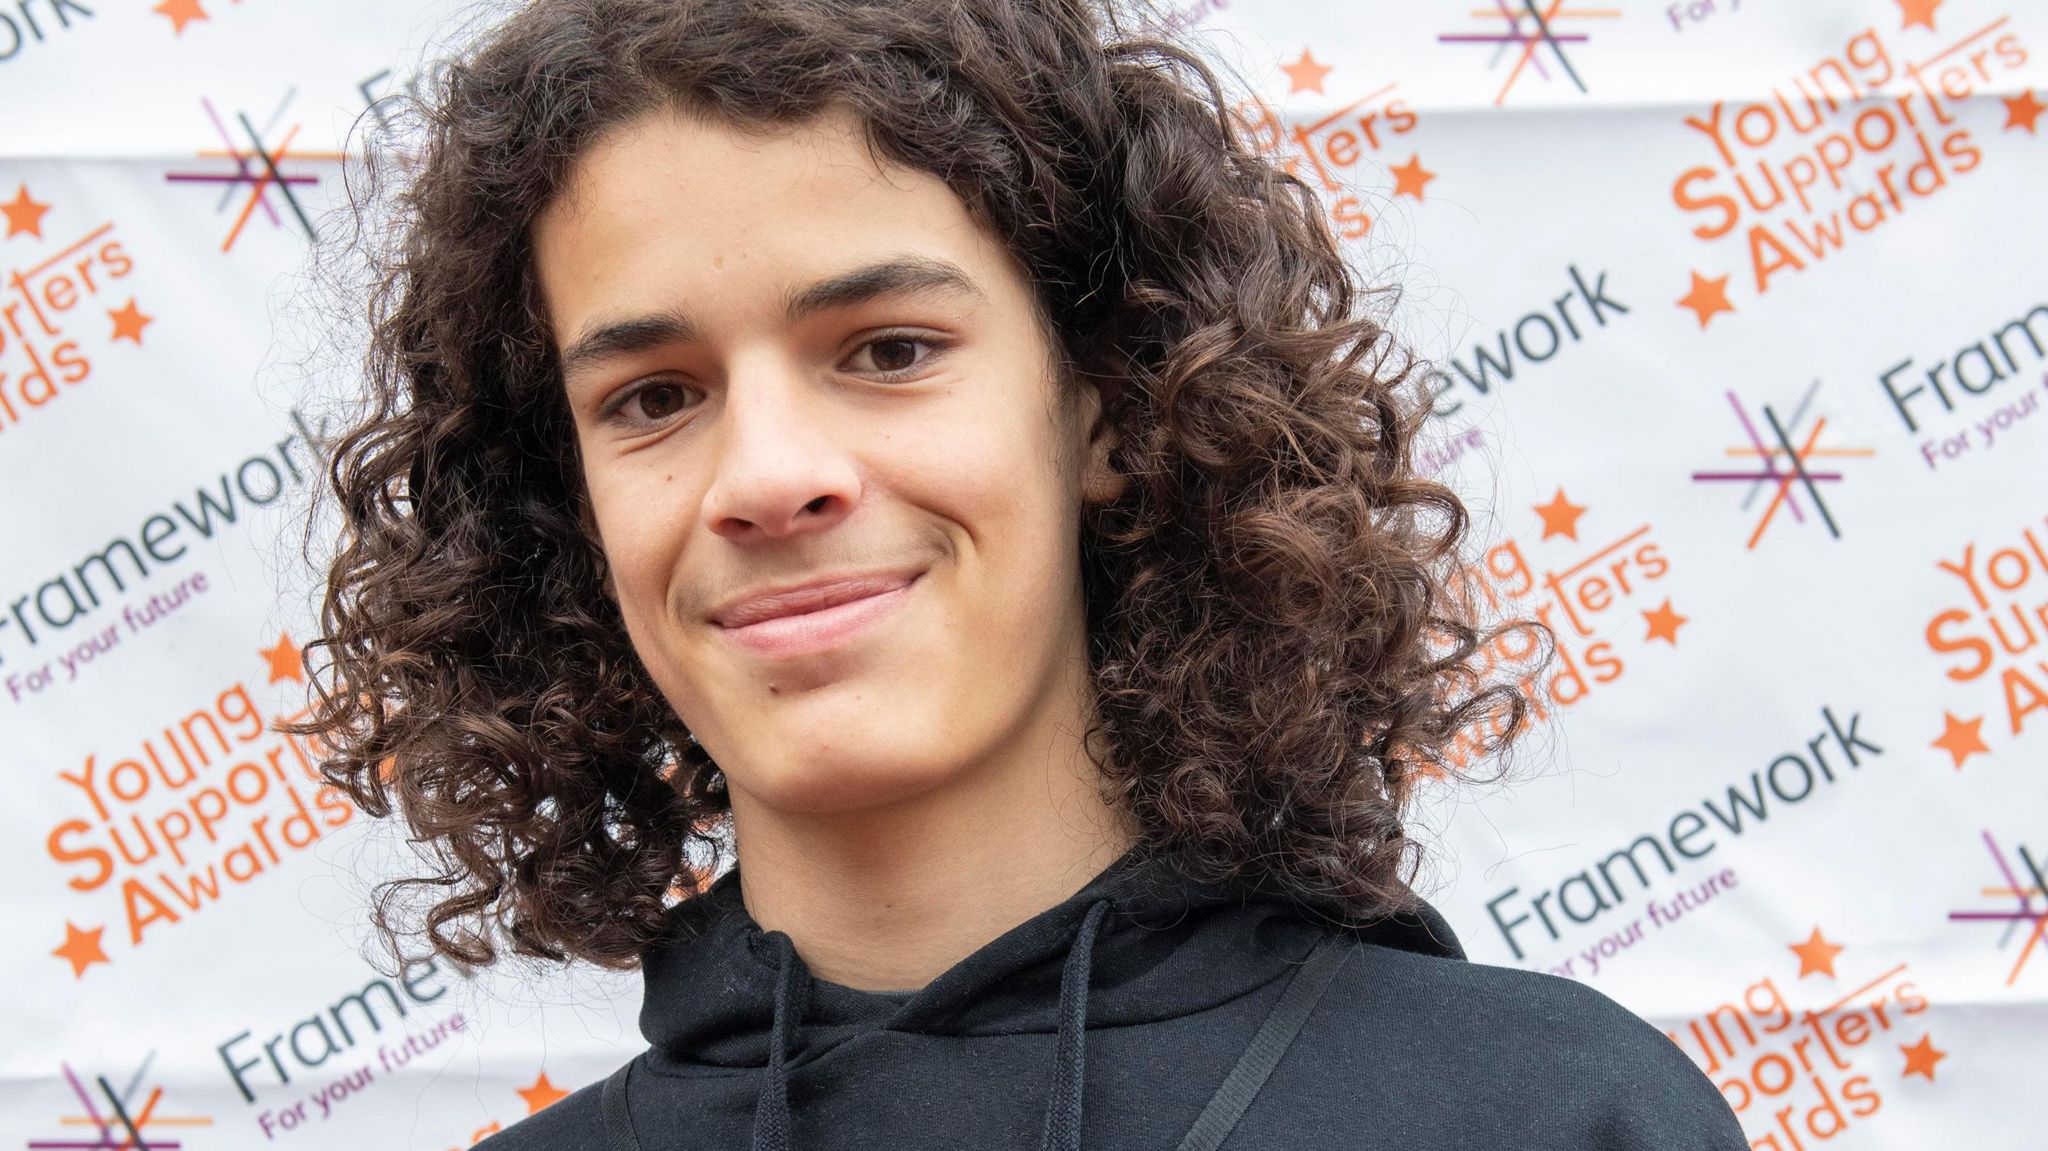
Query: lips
x: 816, y: 619
x: 807, y: 598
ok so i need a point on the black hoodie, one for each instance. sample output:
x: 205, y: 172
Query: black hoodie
x: 1145, y: 1012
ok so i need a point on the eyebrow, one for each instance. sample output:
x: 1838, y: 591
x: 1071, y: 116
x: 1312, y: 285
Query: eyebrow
x: 900, y: 276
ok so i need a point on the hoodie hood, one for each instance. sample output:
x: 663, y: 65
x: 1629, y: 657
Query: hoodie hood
x: 1138, y: 944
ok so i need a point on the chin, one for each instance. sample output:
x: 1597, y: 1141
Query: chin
x: 822, y: 783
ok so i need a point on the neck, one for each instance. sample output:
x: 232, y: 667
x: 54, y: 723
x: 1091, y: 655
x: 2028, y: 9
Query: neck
x: 886, y: 898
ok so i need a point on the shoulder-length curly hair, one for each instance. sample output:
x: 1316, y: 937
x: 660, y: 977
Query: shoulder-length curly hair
x: 1278, y: 639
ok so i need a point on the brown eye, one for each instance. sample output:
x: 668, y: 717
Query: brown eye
x: 895, y: 357
x: 895, y: 354
x: 656, y: 401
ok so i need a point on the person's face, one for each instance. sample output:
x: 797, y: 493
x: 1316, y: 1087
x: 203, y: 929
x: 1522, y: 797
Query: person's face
x: 785, y: 365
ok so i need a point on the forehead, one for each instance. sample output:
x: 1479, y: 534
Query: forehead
x: 673, y: 208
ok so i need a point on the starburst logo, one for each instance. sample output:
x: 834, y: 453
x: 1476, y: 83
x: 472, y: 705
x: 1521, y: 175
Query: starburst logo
x: 1785, y: 471
x: 118, y: 1119
x: 1541, y: 32
x: 260, y: 171
x: 2021, y: 885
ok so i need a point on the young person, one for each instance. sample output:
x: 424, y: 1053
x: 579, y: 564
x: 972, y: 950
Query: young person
x: 920, y: 446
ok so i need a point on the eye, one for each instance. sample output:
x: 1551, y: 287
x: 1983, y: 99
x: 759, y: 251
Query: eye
x: 894, y: 355
x: 649, y: 404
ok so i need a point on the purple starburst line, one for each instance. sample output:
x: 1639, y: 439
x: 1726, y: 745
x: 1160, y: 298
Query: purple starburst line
x: 92, y: 1114
x: 2005, y: 869
x: 241, y: 164
x: 1768, y: 456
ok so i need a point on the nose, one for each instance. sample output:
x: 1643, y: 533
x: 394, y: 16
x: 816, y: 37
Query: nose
x: 782, y: 466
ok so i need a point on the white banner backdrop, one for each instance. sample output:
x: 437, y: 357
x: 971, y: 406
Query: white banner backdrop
x: 1741, y: 327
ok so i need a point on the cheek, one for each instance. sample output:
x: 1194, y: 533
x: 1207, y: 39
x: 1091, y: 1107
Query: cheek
x: 982, y: 453
x: 994, y: 480
x: 641, y: 520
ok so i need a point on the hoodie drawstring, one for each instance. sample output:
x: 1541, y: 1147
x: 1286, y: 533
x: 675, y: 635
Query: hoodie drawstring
x: 771, y: 1108
x: 1063, y: 1098
x: 1062, y: 1131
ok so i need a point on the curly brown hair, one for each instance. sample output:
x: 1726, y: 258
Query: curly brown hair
x: 1279, y: 639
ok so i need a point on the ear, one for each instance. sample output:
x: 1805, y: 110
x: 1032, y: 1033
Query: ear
x: 588, y: 519
x: 1100, y: 482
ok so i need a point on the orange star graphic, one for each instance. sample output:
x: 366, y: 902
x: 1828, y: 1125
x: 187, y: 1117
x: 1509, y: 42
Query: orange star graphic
x: 1919, y: 12
x: 1961, y: 739
x: 1305, y: 75
x: 284, y: 659
x: 1816, y: 954
x: 180, y: 12
x: 82, y: 948
x: 129, y: 321
x: 540, y: 1094
x: 1921, y: 1057
x: 1664, y: 623
x: 2021, y: 111
x: 24, y: 214
x: 1410, y: 177
x: 1560, y: 517
x: 1709, y: 296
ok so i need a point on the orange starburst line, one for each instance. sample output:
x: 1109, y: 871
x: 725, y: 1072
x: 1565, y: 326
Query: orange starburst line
x: 1785, y: 484
x: 256, y: 193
